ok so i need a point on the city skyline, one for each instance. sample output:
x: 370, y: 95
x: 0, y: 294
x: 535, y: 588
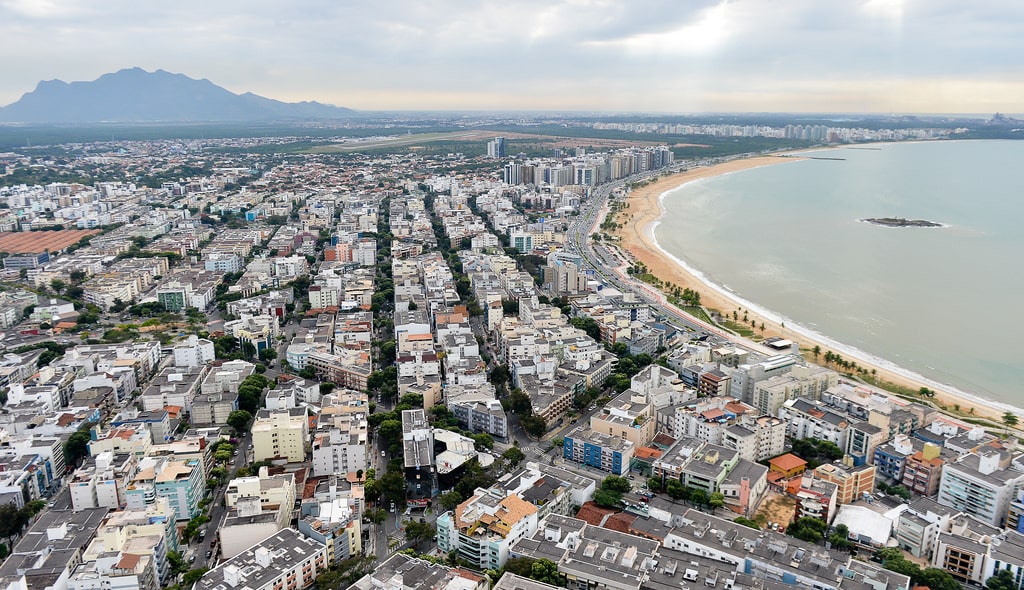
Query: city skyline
x: 876, y: 56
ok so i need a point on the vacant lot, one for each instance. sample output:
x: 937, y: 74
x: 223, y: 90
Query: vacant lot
x: 776, y: 507
x: 31, y: 242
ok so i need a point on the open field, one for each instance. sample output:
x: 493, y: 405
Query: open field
x: 31, y: 242
x: 776, y: 507
x: 398, y: 141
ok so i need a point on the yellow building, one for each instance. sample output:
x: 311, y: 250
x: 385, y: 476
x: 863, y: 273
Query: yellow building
x: 280, y: 433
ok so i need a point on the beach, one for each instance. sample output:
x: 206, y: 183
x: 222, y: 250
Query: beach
x: 640, y: 218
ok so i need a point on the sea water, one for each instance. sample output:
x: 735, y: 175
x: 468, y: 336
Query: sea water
x: 940, y: 302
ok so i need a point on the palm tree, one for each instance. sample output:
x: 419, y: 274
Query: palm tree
x: 1010, y: 420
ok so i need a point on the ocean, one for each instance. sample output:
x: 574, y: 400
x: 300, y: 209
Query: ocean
x: 939, y: 302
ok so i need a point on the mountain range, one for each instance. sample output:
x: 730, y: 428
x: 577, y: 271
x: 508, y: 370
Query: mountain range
x: 134, y: 95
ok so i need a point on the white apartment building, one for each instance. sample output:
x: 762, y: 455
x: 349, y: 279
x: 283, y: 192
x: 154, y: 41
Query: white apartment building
x: 981, y: 484
x: 194, y: 352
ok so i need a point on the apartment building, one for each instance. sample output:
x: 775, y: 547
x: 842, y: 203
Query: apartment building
x: 283, y: 561
x: 280, y: 434
x: 483, y: 527
x: 598, y: 450
x: 980, y: 484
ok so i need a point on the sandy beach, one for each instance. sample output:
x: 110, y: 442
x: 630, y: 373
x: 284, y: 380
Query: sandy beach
x: 637, y: 237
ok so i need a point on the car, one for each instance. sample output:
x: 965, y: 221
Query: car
x: 209, y: 554
x: 383, y: 453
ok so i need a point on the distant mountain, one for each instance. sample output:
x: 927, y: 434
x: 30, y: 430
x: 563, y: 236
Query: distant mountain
x: 137, y: 96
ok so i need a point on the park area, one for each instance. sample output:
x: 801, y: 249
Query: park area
x: 33, y: 242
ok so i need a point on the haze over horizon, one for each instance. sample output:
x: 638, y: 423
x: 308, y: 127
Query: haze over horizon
x: 872, y: 56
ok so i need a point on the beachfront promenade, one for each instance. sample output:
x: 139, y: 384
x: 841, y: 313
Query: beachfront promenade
x: 637, y: 241
x: 591, y: 216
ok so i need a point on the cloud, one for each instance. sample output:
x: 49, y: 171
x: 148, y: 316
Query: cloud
x: 664, y: 55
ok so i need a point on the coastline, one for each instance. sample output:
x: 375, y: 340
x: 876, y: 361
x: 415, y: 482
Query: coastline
x: 642, y: 215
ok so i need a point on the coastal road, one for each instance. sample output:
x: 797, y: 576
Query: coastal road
x: 593, y: 213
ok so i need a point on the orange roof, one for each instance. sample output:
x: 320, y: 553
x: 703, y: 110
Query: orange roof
x: 128, y: 561
x: 647, y: 453
x: 620, y: 522
x: 63, y: 325
x: 736, y: 407
x: 787, y: 462
x: 713, y: 414
x: 593, y: 514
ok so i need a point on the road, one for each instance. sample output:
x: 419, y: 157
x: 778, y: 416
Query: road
x: 591, y: 215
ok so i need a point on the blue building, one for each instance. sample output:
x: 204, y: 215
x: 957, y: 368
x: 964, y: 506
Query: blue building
x: 891, y: 458
x: 600, y: 451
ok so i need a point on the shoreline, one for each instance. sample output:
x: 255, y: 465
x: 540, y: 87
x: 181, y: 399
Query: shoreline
x: 643, y: 213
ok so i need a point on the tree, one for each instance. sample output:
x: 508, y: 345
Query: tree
x: 450, y: 500
x: 12, y: 521
x: 484, y: 440
x: 808, y: 529
x: 1002, y: 580
x: 747, y: 522
x: 546, y: 571
x: 937, y: 579
x: 514, y: 456
x: 699, y: 497
x: 616, y: 484
x: 390, y: 432
x: 268, y: 354
x: 192, y: 576
x: 417, y: 532
x: 716, y: 501
x: 239, y: 420
x: 840, y: 538
x: 534, y: 425
x: 816, y: 351
x: 77, y: 445
x: 392, y: 486
x: 1010, y: 420
x: 608, y: 498
x: 57, y: 285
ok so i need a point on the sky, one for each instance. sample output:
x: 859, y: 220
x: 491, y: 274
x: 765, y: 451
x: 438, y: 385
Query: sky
x: 672, y: 56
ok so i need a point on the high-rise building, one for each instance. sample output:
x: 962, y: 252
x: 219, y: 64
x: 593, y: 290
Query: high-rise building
x: 496, y: 148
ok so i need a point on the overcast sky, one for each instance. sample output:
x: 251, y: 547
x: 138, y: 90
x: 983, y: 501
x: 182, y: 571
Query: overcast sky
x: 904, y: 56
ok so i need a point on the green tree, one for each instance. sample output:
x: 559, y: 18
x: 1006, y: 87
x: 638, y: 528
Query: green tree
x: 392, y: 486
x: 514, y: 456
x: 190, y: 577
x: 699, y: 497
x: 546, y: 571
x: 616, y: 483
x: 716, y: 501
x: 840, y: 538
x: 747, y: 522
x: 390, y: 433
x: 12, y: 522
x: 417, y: 532
x: 937, y: 579
x: 484, y: 440
x: 608, y: 498
x: 450, y: 500
x: 239, y: 420
x: 808, y: 529
x: 1002, y: 580
x: 1010, y: 420
x: 77, y: 445
x: 534, y: 425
